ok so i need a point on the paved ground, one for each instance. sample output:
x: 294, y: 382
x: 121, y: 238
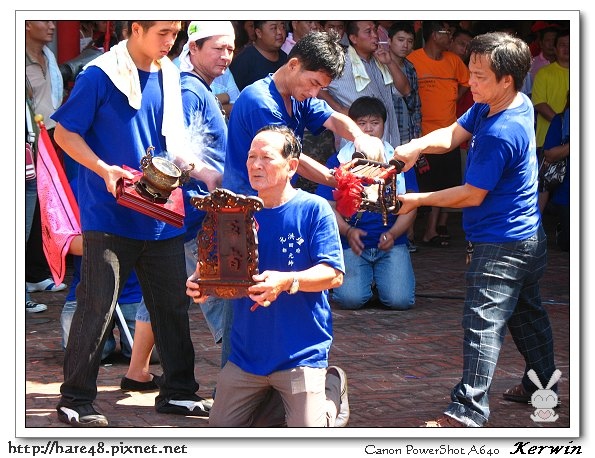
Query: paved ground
x: 401, y: 365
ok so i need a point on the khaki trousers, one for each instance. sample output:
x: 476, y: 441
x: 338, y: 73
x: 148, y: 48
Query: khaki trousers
x: 299, y: 397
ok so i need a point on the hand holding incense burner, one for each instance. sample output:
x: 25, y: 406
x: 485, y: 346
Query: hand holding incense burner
x: 160, y: 177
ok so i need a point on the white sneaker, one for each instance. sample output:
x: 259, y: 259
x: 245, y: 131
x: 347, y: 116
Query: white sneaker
x: 34, y: 307
x: 46, y: 285
x: 344, y: 411
x: 82, y: 416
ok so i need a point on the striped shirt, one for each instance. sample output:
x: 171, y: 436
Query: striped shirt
x: 343, y: 91
x: 408, y: 108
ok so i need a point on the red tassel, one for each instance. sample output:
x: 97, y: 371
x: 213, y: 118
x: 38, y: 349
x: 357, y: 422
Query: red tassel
x: 348, y: 194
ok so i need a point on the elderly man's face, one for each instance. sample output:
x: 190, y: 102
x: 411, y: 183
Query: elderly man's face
x: 214, y: 57
x: 41, y: 31
x: 267, y: 168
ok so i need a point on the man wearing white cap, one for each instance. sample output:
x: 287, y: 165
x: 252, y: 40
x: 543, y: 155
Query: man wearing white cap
x: 205, y: 56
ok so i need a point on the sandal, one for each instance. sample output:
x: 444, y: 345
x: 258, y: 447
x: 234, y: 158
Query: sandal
x: 435, y: 241
x: 444, y: 421
x: 128, y: 384
x: 517, y: 394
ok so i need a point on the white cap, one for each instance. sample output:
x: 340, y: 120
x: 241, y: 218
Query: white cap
x: 203, y: 29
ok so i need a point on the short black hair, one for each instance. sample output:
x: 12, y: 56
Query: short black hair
x: 561, y: 33
x: 144, y: 24
x: 351, y: 28
x: 461, y: 31
x: 401, y: 26
x: 507, y: 55
x: 367, y: 106
x: 429, y: 27
x: 320, y: 51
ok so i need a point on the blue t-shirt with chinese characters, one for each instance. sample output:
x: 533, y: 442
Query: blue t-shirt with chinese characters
x: 295, y: 330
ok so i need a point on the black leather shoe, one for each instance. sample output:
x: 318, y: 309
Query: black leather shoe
x: 190, y: 408
x: 128, y: 384
x: 84, y: 416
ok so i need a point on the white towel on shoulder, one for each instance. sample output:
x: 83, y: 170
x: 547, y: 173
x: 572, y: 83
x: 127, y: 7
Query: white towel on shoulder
x: 121, y: 70
x: 55, y: 78
x: 359, y: 70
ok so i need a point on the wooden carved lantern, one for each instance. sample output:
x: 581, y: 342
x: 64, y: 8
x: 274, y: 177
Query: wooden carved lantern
x: 366, y: 185
x: 227, y: 243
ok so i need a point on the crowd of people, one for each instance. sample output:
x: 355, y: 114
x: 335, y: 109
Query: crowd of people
x: 469, y: 111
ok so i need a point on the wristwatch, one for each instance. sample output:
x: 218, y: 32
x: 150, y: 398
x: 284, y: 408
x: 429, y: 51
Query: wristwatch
x: 295, y: 286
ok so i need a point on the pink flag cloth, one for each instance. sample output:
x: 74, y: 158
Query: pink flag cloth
x: 60, y: 222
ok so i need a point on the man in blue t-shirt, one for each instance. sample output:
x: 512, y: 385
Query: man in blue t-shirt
x: 502, y: 222
x: 289, y: 97
x: 282, y: 331
x: 123, y: 102
x: 556, y: 147
x: 205, y: 56
x: 374, y: 252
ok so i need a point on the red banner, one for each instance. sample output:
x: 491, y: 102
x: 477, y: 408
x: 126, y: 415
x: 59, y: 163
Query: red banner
x: 60, y: 222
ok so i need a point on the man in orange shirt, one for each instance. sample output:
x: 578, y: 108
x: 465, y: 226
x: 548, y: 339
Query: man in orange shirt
x: 443, y: 78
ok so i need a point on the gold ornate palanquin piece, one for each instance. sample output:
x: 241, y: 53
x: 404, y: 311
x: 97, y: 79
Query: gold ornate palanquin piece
x: 227, y: 243
x: 366, y: 185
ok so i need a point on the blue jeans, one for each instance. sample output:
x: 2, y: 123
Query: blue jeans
x: 131, y: 313
x: 217, y: 312
x: 502, y: 290
x: 391, y: 271
x: 106, y: 264
x: 30, y: 201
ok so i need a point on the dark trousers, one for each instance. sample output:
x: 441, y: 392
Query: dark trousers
x: 161, y: 270
x: 502, y: 292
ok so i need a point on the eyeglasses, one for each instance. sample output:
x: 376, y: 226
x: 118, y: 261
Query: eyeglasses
x: 447, y: 32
